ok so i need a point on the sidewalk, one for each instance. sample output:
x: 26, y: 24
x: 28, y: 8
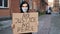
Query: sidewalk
x: 44, y: 24
x: 5, y: 24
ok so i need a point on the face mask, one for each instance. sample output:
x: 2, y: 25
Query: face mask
x: 24, y: 9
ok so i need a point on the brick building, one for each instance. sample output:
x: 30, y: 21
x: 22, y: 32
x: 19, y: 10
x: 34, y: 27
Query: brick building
x: 56, y: 5
x: 7, y: 7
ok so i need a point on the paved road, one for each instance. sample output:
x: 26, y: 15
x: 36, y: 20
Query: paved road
x: 48, y: 24
x: 6, y: 29
x: 55, y: 25
x: 44, y: 24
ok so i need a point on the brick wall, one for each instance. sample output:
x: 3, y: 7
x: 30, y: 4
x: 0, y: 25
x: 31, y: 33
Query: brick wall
x: 14, y: 7
x: 56, y: 5
x: 5, y: 11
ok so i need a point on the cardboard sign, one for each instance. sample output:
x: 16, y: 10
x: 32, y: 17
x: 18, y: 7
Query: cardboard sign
x: 24, y: 22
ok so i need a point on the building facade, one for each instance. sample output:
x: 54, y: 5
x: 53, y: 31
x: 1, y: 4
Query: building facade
x: 7, y: 7
x: 56, y: 5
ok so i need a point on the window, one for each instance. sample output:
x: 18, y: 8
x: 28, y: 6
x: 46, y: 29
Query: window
x: 0, y: 2
x: 4, y: 3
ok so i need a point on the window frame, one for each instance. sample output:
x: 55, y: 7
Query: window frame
x: 3, y: 4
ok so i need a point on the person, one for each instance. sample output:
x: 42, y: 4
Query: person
x: 49, y: 10
x: 59, y: 10
x: 24, y: 8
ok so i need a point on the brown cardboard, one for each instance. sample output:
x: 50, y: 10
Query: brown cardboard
x: 24, y: 22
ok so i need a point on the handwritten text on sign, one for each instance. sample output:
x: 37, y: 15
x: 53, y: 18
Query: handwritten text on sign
x: 25, y: 22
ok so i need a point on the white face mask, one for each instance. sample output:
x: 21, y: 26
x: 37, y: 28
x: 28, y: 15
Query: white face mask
x: 24, y: 9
